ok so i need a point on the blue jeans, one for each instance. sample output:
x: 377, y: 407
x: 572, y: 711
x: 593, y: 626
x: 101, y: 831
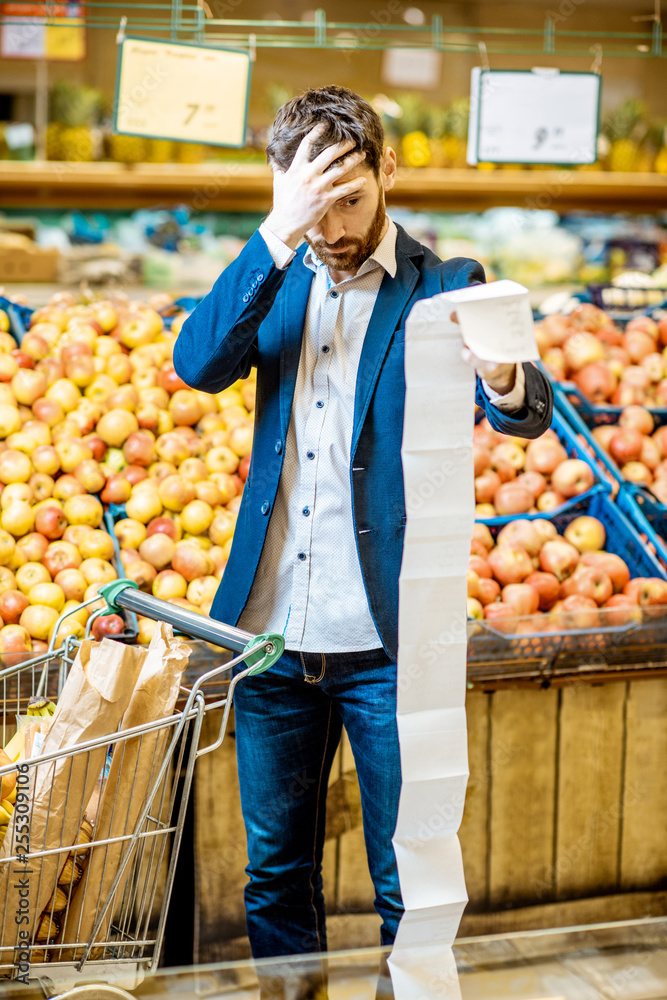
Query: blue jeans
x: 288, y: 726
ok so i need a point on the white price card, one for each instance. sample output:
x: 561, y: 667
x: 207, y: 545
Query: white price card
x: 541, y: 115
x: 190, y: 93
x: 496, y: 321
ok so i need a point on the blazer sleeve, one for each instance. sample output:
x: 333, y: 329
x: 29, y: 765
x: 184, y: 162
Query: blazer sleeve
x: 218, y: 342
x: 534, y: 417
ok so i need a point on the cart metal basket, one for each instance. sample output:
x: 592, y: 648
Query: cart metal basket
x: 130, y: 915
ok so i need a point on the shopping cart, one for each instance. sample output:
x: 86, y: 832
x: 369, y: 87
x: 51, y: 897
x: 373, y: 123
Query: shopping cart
x: 130, y: 916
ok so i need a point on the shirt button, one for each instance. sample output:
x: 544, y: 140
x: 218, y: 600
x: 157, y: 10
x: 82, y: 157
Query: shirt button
x: 319, y: 404
x: 310, y: 454
x: 278, y: 446
x: 302, y: 556
x: 334, y: 295
x: 266, y: 507
x: 325, y: 349
x: 306, y: 511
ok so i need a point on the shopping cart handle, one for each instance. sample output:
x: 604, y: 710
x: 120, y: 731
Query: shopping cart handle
x: 124, y: 594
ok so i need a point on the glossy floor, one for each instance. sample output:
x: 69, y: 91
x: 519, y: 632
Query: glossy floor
x: 602, y: 962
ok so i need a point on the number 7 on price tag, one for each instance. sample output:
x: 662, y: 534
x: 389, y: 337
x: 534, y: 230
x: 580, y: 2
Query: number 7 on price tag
x: 174, y: 90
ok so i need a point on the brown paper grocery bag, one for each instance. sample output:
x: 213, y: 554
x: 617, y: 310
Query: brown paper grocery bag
x: 134, y: 768
x: 92, y: 704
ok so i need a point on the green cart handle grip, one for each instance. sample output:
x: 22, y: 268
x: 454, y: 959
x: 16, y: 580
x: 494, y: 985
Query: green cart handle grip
x: 263, y: 658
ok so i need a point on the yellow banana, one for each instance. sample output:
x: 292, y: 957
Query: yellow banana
x: 4, y: 816
x: 7, y: 806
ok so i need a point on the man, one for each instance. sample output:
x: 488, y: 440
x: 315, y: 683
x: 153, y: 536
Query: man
x: 318, y: 543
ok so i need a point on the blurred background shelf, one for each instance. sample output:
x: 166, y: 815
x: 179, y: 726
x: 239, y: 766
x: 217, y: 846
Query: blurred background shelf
x: 247, y: 187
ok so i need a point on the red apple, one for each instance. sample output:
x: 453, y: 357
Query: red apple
x: 489, y: 590
x: 480, y: 566
x: 604, y: 434
x: 499, y: 610
x: 533, y: 481
x: 637, y: 472
x: 589, y: 581
x: 522, y: 533
x: 572, y: 478
x: 522, y: 597
x: 596, y: 381
x: 559, y: 557
x: 547, y: 588
x: 107, y: 625
x: 544, y: 454
x: 626, y: 446
x: 486, y: 486
x: 638, y: 418
x: 510, y: 564
x: 510, y: 498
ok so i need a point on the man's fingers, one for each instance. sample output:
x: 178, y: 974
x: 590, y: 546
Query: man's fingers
x: 301, y: 155
x: 344, y: 167
x: 454, y: 318
x: 349, y: 188
x: 331, y: 153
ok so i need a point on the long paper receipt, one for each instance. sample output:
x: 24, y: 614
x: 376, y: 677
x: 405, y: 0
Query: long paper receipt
x: 497, y: 321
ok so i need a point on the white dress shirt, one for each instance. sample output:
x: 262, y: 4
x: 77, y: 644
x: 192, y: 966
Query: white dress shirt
x: 308, y: 586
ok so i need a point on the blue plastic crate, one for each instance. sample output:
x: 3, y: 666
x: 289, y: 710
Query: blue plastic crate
x: 655, y: 512
x: 649, y: 520
x: 520, y: 638
x: 19, y: 318
x: 575, y: 449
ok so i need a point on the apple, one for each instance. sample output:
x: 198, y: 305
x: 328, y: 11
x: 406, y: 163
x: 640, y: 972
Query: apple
x: 66, y: 487
x: 176, y: 492
x: 98, y: 571
x: 28, y: 385
x: 597, y: 381
x: 12, y: 605
x: 158, y: 550
x: 130, y: 533
x: 534, y: 482
x: 648, y: 591
x: 547, y: 588
x: 586, y: 533
x: 73, y: 584
x: 135, y: 474
x: 96, y: 544
x: 638, y: 418
x: 10, y: 420
x: 18, y: 518
x: 474, y: 607
x: 14, y: 639
x: 169, y: 584
x: 139, y: 449
x: 23, y: 359
x: 625, y: 446
x: 489, y: 590
x: 115, y: 427
x: 654, y: 365
x: 38, y: 621
x: 523, y: 533
x: 572, y: 478
x: 61, y: 555
x: 223, y: 459
x: 509, y: 564
x: 522, y: 597
x: 544, y: 454
x: 196, y: 517
x: 190, y: 561
x: 638, y: 344
x: 107, y: 625
x: 167, y: 525
x: 142, y: 573
x: 15, y: 467
x: 170, y: 381
x: 486, y: 486
x: 550, y: 500
x: 499, y: 610
x: 48, y: 594
x: 637, y: 472
x: 589, y: 581
x: 559, y: 557
x: 51, y: 523
x: 84, y: 509
x: 582, y: 349
x: 622, y: 611
x: 582, y: 609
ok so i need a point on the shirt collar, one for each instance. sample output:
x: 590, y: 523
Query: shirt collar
x: 384, y: 254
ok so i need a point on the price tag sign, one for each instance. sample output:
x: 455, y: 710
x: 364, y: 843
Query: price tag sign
x: 190, y: 93
x: 533, y: 116
x: 53, y: 31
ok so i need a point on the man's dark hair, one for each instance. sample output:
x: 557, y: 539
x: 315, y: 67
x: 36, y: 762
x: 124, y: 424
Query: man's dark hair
x: 346, y: 115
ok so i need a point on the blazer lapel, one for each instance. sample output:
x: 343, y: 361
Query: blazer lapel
x: 295, y: 294
x: 391, y: 301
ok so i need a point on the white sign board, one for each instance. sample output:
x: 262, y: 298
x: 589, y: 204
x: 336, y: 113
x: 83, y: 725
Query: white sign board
x: 190, y: 93
x: 533, y: 116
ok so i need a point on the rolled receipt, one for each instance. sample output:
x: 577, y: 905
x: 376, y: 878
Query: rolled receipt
x: 496, y: 321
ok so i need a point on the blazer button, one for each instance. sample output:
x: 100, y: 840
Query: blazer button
x: 278, y: 446
x: 266, y: 507
x: 246, y: 297
x: 260, y: 277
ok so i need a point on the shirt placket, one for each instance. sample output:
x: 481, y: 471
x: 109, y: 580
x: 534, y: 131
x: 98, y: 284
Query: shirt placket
x: 321, y: 338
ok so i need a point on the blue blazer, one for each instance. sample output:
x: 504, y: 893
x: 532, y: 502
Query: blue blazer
x: 255, y: 315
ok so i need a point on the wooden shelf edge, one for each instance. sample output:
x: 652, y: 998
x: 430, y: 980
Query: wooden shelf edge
x: 247, y: 187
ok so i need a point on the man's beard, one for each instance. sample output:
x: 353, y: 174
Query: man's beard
x: 360, y: 248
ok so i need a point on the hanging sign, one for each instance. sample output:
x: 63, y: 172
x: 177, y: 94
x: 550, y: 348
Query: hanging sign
x: 53, y: 31
x: 190, y: 93
x: 533, y: 116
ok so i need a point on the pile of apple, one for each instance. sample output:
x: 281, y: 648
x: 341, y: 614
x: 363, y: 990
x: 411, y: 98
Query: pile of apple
x: 530, y: 568
x: 516, y: 476
x: 92, y: 413
x: 638, y: 448
x: 608, y: 365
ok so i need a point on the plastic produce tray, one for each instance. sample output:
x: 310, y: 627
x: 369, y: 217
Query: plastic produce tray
x: 574, y: 449
x: 652, y: 532
x: 545, y: 637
